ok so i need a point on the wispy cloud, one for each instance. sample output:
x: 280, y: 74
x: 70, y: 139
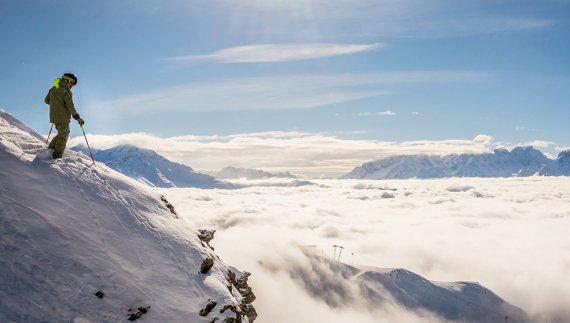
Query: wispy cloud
x: 540, y: 143
x: 278, y: 92
x: 278, y: 52
x: 383, y: 113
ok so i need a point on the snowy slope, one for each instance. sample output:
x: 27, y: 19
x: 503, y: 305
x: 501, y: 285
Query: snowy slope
x: 149, y: 167
x: 69, y: 230
x: 521, y: 161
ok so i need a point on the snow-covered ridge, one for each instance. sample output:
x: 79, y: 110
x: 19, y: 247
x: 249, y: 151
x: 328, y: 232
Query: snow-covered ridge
x: 340, y: 285
x: 231, y: 172
x: 147, y: 166
x: 83, y: 243
x: 521, y: 161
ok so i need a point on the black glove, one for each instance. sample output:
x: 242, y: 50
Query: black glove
x: 79, y: 120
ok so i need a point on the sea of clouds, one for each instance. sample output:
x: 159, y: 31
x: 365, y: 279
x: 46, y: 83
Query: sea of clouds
x: 508, y: 234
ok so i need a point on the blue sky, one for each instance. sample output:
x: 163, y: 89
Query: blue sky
x: 357, y: 70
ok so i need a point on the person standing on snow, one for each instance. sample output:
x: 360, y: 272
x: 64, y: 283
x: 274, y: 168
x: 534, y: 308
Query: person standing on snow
x: 61, y: 109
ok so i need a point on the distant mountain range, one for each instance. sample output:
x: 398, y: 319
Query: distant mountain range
x: 521, y: 161
x: 147, y: 166
x: 248, y: 173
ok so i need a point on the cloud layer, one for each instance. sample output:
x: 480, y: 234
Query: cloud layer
x: 507, y: 234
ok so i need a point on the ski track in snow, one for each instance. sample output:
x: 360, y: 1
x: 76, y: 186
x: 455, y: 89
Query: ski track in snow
x: 33, y: 246
x: 127, y: 232
x: 152, y: 230
x: 91, y: 206
x: 130, y: 206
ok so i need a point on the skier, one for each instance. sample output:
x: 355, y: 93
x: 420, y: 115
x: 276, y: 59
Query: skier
x: 61, y: 109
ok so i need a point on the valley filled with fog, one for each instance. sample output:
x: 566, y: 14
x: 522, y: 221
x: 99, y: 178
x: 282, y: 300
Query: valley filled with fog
x: 508, y: 234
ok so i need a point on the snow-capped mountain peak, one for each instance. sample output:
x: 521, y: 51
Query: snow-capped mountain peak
x: 520, y: 161
x: 149, y: 167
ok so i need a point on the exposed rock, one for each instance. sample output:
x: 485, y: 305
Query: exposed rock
x: 168, y: 205
x: 209, y: 307
x: 140, y: 311
x: 229, y: 307
x: 234, y: 309
x: 100, y: 294
x: 206, y: 236
x: 206, y: 265
x: 249, y: 311
x: 244, y: 289
x: 246, y: 292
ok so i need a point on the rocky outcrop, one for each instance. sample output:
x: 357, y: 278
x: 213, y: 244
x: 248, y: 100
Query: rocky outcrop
x: 208, y: 308
x: 206, y: 265
x: 206, y: 236
x: 240, y: 283
x: 242, y: 312
x: 168, y: 205
x: 237, y: 285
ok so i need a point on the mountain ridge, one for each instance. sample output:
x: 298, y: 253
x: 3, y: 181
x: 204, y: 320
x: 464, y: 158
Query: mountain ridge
x: 231, y: 172
x: 520, y: 161
x: 147, y: 166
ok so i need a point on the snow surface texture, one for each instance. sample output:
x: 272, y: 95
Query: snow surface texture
x: 508, y: 234
x: 521, y: 161
x: 151, y: 168
x: 69, y: 230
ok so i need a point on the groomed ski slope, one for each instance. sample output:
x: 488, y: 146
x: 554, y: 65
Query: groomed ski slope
x: 69, y: 229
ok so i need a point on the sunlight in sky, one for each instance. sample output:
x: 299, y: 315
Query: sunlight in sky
x: 229, y: 66
x: 318, y: 88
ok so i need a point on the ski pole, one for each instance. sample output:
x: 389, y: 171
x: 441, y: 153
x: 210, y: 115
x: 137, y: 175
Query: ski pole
x: 90, y: 153
x: 50, y: 129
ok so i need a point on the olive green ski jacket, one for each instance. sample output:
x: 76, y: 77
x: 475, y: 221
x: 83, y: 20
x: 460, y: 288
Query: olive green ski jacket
x: 60, y: 100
